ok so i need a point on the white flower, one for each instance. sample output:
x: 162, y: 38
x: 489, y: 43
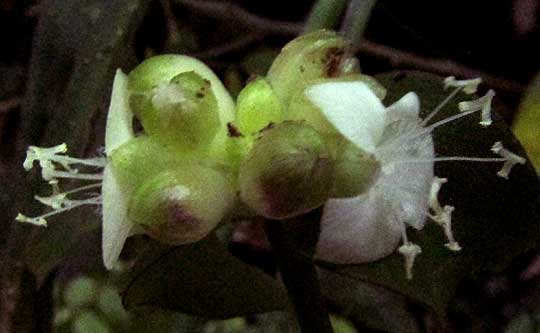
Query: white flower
x: 116, y: 226
x: 370, y: 226
x: 54, y: 165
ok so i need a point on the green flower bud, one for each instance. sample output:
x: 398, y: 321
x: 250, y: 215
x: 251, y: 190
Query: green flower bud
x: 181, y: 205
x: 139, y: 159
x: 287, y: 172
x: 89, y: 321
x: 110, y: 304
x: 355, y: 170
x: 180, y: 113
x: 161, y: 70
x: 257, y: 106
x: 312, y: 56
x: 81, y: 292
x: 301, y: 108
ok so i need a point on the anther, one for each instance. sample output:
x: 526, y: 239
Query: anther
x: 511, y: 159
x: 483, y: 103
x: 469, y: 86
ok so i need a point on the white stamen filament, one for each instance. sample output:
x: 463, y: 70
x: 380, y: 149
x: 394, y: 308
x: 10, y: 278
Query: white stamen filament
x: 442, y: 215
x: 59, y: 201
x: 427, y: 130
x: 441, y: 105
x: 409, y: 250
x: 52, y: 174
x: 68, y: 205
x: 83, y: 188
x: 434, y: 193
x: 450, y: 119
x: 453, y: 159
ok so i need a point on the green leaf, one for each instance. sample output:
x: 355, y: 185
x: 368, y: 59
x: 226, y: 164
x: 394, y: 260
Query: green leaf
x: 494, y: 221
x: 527, y: 121
x: 201, y: 279
x: 366, y: 304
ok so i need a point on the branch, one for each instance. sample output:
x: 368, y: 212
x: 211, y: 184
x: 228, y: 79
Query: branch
x: 324, y: 14
x: 356, y: 20
x: 227, y: 47
x: 229, y: 11
x: 398, y: 57
x: 300, y: 278
x: 9, y: 104
x: 224, y: 10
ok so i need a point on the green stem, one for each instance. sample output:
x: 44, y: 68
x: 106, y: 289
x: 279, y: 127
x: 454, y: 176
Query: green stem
x: 356, y: 19
x: 301, y: 281
x: 325, y: 14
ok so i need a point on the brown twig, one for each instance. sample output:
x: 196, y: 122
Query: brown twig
x: 35, y: 9
x: 9, y: 104
x: 172, y: 28
x: 226, y: 10
x: 230, y: 46
x: 396, y: 57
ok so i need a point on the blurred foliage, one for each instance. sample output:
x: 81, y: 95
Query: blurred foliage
x: 526, y: 124
x: 201, y: 279
x: 93, y: 305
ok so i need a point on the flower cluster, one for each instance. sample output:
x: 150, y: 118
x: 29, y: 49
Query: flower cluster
x: 312, y: 133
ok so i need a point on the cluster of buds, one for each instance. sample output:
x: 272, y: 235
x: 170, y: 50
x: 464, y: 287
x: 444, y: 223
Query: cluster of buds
x: 313, y: 132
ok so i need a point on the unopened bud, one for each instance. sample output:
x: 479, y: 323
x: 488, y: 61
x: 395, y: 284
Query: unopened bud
x: 140, y: 159
x: 161, y: 71
x: 181, y: 113
x: 257, y: 106
x: 287, y: 172
x: 181, y: 205
x: 312, y: 56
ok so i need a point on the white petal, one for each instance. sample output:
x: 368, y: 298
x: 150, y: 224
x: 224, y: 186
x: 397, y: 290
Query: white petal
x: 353, y: 109
x: 406, y: 106
x: 116, y: 225
x: 119, y: 128
x: 357, y: 230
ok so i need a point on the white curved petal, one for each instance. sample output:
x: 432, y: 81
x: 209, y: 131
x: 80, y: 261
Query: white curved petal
x: 357, y: 230
x: 353, y: 109
x: 119, y: 128
x: 116, y: 225
x: 406, y: 106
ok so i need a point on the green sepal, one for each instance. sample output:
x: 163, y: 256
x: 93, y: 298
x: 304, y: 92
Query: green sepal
x: 355, y: 170
x: 183, y: 204
x: 287, y: 172
x: 312, y: 56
